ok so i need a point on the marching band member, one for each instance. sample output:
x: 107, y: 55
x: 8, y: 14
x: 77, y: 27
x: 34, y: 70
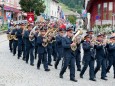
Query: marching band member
x: 49, y: 48
x: 111, y: 54
x: 10, y: 38
x: 69, y: 56
x: 59, y: 38
x: 88, y: 60
x: 36, y: 46
x: 29, y: 45
x: 15, y: 40
x: 100, y: 57
x: 20, y: 40
x: 42, y: 50
x: 78, y: 55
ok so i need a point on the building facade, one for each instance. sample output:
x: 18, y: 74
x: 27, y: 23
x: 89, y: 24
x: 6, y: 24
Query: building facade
x: 52, y: 9
x: 101, y: 11
x: 10, y: 6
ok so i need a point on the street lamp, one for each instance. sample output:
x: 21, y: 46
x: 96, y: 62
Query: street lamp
x: 2, y: 9
x: 113, y: 15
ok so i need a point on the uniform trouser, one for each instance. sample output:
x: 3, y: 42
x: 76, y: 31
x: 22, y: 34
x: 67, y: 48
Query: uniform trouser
x: 101, y: 63
x: 59, y: 56
x: 91, y: 68
x: 15, y: 43
x: 49, y: 56
x: 78, y: 60
x: 42, y: 57
x: 19, y: 50
x: 114, y: 66
x: 24, y: 51
x: 10, y: 45
x: 69, y: 61
x: 36, y: 49
x: 29, y: 50
x: 54, y: 52
x: 110, y: 59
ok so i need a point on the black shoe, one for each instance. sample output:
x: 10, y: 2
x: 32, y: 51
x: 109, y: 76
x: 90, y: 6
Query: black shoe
x: 92, y: 79
x: 47, y: 69
x: 114, y: 76
x: 108, y: 71
x: 11, y: 51
x: 81, y: 76
x: 26, y: 62
x: 18, y: 57
x: 106, y: 76
x: 103, y: 78
x: 54, y: 59
x: 55, y: 67
x: 13, y: 54
x: 32, y: 64
x: 23, y: 59
x: 74, y: 80
x: 78, y: 69
x: 61, y: 76
x: 38, y: 68
x: 50, y: 64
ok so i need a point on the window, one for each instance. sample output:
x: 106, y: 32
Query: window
x: 99, y: 9
x: 110, y: 10
x: 105, y: 11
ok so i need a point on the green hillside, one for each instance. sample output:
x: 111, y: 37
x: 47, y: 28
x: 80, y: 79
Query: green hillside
x: 73, y: 5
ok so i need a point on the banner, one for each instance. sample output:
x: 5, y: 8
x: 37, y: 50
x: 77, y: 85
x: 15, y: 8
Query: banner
x: 30, y: 17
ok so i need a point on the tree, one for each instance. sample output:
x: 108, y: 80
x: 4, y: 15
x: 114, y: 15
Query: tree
x: 36, y: 6
x: 72, y: 19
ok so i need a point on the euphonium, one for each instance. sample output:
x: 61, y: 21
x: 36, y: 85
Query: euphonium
x: 79, y: 32
x: 14, y: 36
x: 46, y: 38
x: 9, y: 36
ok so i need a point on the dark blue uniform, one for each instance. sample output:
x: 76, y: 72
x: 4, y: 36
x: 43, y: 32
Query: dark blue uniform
x: 78, y: 57
x: 10, y: 41
x: 36, y: 46
x: 15, y: 42
x: 49, y: 48
x: 101, y: 60
x: 69, y: 58
x: 111, y: 56
x: 88, y: 60
x: 29, y: 45
x: 42, y: 53
x: 19, y: 36
x: 54, y: 51
x: 59, y: 48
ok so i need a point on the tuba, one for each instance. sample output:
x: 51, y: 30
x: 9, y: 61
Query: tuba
x: 79, y: 32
